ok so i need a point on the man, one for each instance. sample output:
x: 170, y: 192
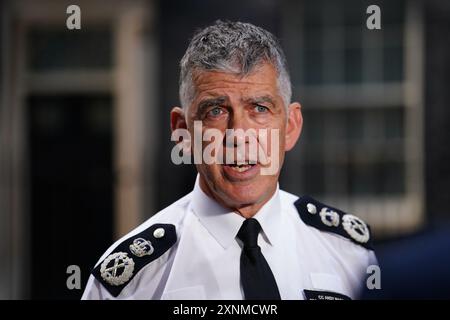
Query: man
x: 237, y: 235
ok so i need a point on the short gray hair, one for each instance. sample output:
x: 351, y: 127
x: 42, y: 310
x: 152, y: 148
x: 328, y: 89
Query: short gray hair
x: 234, y: 47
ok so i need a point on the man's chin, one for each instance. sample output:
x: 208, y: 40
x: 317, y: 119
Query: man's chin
x: 241, y: 196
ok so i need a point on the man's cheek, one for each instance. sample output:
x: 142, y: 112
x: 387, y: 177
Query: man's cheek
x: 212, y: 146
x: 271, y: 150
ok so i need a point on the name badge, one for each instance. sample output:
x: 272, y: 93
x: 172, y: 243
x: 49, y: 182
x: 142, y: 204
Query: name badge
x: 324, y: 295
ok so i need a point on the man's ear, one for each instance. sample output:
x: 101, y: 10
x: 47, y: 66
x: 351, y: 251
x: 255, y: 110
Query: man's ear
x: 294, y: 125
x: 177, y: 119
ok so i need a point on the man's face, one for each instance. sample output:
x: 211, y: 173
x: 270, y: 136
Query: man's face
x: 227, y: 101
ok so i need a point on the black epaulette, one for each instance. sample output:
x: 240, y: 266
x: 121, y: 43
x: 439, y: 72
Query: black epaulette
x: 330, y: 219
x: 130, y: 256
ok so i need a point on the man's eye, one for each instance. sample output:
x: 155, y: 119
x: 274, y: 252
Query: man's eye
x: 215, y: 112
x: 260, y: 109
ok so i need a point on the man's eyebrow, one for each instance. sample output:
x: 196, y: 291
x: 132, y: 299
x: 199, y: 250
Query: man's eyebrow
x: 206, y: 103
x: 259, y: 99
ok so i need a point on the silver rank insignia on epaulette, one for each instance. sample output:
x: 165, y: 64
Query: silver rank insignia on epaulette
x: 333, y: 220
x: 329, y: 217
x: 132, y: 255
x: 141, y: 247
x: 356, y: 228
x: 117, y: 268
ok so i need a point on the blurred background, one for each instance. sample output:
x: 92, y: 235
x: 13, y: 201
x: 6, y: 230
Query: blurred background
x: 84, y: 120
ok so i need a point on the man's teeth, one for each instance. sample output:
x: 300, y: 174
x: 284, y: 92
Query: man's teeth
x: 240, y: 167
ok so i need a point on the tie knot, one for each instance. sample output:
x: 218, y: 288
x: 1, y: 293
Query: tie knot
x: 248, y: 233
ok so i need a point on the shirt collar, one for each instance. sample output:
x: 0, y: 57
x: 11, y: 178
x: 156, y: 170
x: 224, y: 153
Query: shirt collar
x: 224, y: 224
x: 269, y: 217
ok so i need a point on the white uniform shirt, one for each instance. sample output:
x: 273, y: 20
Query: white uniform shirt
x: 204, y: 263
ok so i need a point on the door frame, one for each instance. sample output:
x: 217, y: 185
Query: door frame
x: 132, y: 83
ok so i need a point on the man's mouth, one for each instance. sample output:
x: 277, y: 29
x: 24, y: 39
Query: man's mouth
x: 241, y: 171
x: 241, y: 167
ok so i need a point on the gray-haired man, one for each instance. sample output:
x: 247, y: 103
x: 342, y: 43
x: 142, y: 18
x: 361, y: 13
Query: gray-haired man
x: 237, y: 235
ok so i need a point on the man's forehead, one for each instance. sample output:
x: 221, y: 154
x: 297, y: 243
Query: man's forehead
x: 264, y: 75
x: 215, y: 84
x: 212, y: 98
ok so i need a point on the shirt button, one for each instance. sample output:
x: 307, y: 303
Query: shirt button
x: 311, y: 208
x: 159, y: 233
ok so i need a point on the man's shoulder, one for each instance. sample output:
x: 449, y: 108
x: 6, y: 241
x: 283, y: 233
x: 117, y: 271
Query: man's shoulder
x: 329, y: 219
x: 171, y: 215
x: 140, y: 247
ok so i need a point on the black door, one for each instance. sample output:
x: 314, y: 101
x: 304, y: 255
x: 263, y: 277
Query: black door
x: 71, y: 188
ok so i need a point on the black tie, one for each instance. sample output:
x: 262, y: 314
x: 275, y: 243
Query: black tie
x: 256, y: 277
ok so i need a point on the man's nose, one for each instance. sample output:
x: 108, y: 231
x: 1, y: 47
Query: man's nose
x: 240, y: 119
x: 238, y: 125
